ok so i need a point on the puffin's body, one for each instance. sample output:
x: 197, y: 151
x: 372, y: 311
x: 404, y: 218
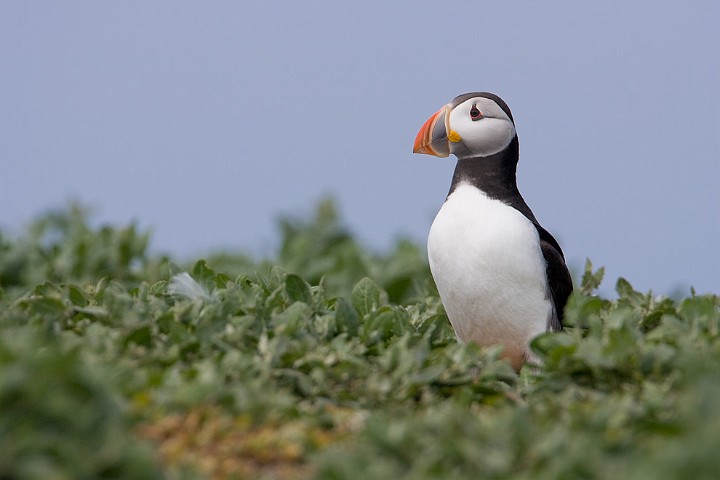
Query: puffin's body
x: 501, y: 276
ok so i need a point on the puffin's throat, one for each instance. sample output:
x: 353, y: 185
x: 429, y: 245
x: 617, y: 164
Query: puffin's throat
x: 495, y: 175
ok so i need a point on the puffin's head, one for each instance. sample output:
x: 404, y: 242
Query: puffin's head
x: 472, y: 125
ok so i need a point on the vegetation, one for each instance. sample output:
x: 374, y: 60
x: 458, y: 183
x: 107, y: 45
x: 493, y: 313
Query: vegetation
x: 329, y: 362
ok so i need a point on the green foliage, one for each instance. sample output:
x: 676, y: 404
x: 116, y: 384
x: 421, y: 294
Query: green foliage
x: 60, y: 418
x: 324, y: 252
x: 61, y: 247
x: 329, y: 362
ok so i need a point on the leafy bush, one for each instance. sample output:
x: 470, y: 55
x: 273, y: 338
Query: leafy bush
x: 329, y: 362
x: 60, y: 418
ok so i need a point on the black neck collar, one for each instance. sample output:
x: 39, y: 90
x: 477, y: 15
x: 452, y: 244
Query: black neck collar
x: 495, y: 175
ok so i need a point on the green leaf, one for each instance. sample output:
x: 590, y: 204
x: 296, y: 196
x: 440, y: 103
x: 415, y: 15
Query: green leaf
x: 591, y: 280
x: 366, y: 296
x: 202, y: 273
x: 158, y: 288
x: 141, y: 336
x: 298, y: 289
x: 554, y: 345
x: 704, y: 309
x: 44, y: 305
x: 77, y: 296
x: 628, y: 294
x: 582, y: 310
x: 346, y: 317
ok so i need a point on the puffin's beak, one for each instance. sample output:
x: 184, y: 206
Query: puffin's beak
x: 432, y: 138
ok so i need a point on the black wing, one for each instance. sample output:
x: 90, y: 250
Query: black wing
x: 558, y: 276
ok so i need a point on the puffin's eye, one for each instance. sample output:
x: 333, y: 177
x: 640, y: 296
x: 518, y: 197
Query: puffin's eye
x: 475, y: 114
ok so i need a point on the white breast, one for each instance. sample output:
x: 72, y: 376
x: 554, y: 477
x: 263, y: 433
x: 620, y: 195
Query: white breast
x: 486, y: 260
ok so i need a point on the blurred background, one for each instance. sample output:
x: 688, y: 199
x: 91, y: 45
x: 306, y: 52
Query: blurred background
x: 206, y: 121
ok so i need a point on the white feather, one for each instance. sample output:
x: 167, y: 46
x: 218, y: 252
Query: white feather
x: 183, y: 285
x: 487, y: 263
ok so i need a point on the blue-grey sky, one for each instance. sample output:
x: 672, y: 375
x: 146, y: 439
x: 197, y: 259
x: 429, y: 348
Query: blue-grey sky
x: 206, y: 120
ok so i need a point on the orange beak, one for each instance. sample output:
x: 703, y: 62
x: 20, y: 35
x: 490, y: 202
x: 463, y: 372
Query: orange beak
x: 432, y: 139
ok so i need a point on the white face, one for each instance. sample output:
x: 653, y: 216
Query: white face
x: 485, y: 129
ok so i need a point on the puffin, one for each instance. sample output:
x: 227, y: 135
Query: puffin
x: 501, y: 276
